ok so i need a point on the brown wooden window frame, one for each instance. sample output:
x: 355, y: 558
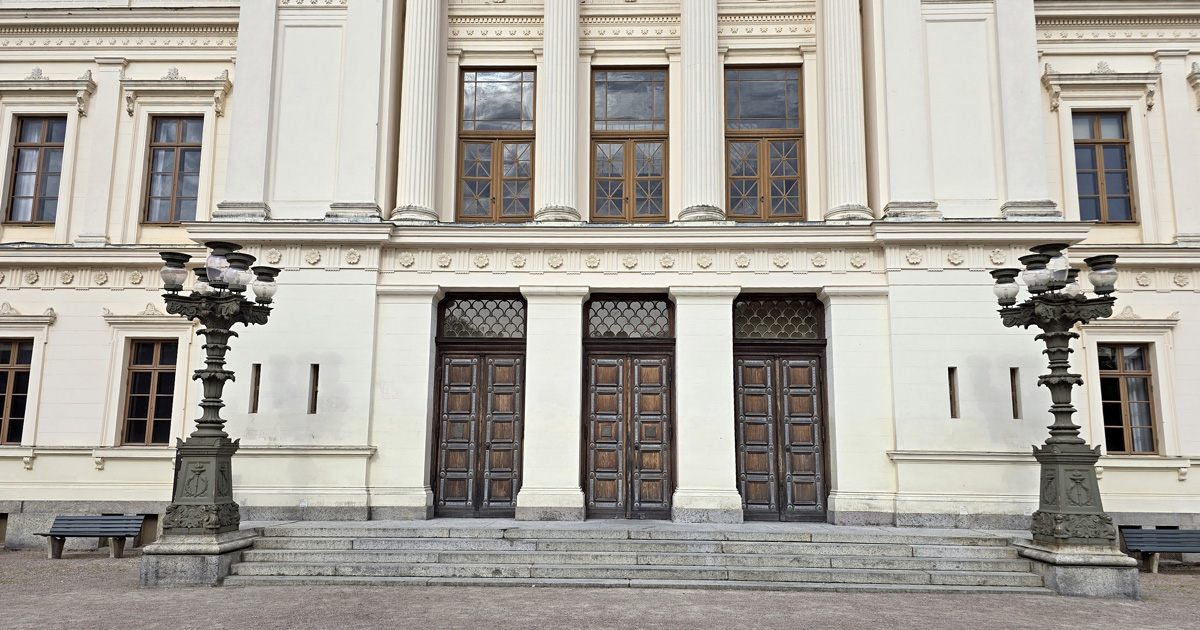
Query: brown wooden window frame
x: 1097, y: 145
x: 630, y: 139
x: 11, y: 369
x: 498, y: 140
x: 1122, y: 375
x: 764, y: 138
x: 178, y: 146
x: 156, y: 369
x: 41, y: 146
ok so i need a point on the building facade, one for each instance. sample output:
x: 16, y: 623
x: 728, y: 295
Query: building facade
x: 706, y: 260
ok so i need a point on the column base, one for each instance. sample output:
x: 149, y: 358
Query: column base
x: 912, y: 211
x: 849, y: 212
x: 706, y: 506
x: 193, y: 560
x: 1187, y: 240
x: 557, y: 213
x: 353, y: 212
x: 702, y: 213
x: 1084, y: 570
x: 91, y: 240
x: 414, y: 213
x: 242, y: 211
x: 550, y: 504
x: 1038, y: 209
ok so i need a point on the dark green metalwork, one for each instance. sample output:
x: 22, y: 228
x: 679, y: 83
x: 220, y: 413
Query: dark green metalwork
x: 202, y: 500
x: 1069, y: 510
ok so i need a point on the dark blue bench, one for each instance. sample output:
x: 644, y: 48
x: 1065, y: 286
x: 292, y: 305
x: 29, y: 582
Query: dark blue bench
x: 1156, y: 541
x: 115, y: 528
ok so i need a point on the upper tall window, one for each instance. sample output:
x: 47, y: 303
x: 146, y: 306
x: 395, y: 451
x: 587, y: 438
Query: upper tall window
x: 174, y: 169
x: 1125, y: 395
x: 763, y: 136
x: 1102, y: 167
x: 629, y: 146
x: 15, y: 358
x: 496, y: 146
x: 37, y: 169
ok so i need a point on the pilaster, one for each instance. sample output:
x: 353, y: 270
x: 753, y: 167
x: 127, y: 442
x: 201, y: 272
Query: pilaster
x: 250, y: 124
x: 424, y: 46
x: 104, y: 119
x: 550, y: 489
x: 402, y: 413
x: 703, y: 144
x: 358, y: 135
x: 555, y: 185
x: 845, y: 116
x: 1178, y: 113
x: 909, y: 162
x: 1026, y: 186
x: 861, y: 428
x: 706, y: 457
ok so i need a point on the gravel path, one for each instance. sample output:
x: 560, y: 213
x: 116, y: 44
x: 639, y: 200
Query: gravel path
x: 93, y: 592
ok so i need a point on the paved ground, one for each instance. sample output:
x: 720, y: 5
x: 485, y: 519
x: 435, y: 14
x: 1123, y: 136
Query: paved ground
x: 93, y: 592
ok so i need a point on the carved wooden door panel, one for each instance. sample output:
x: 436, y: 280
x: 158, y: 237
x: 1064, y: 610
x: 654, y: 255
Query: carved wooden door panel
x: 781, y: 466
x: 477, y: 467
x: 628, y: 428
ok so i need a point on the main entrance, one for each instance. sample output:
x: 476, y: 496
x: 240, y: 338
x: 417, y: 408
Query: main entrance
x: 780, y: 428
x: 480, y: 382
x: 628, y: 416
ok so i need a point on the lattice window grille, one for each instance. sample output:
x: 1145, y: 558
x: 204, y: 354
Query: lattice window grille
x: 491, y: 318
x: 778, y: 319
x: 629, y: 319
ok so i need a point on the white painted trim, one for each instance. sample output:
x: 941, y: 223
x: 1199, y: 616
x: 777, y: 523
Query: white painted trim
x: 36, y: 327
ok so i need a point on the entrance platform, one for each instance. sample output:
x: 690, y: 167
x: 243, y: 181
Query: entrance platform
x: 642, y: 554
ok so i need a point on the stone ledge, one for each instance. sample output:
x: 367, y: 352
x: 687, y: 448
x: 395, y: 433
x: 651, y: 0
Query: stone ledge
x: 1084, y: 570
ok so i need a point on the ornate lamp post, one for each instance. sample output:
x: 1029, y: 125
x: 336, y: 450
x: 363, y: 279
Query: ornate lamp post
x: 1074, y: 540
x: 202, y: 503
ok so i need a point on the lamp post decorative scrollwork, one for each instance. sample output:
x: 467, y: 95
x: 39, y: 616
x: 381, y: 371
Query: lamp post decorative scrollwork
x: 1069, y: 510
x: 202, y: 501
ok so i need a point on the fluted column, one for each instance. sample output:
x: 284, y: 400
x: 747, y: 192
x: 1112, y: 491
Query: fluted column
x: 423, y: 50
x: 555, y: 189
x: 703, y: 150
x: 1027, y: 186
x: 845, y: 120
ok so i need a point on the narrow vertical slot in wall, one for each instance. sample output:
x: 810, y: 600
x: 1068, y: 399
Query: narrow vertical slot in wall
x: 3, y: 528
x: 314, y: 377
x: 1014, y: 379
x: 953, y: 376
x: 255, y: 377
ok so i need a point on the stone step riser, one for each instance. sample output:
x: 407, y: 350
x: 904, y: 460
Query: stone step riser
x: 671, y: 559
x: 673, y: 584
x: 606, y: 534
x: 636, y: 572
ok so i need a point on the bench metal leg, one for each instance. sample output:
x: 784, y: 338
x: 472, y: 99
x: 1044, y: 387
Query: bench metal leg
x: 116, y: 547
x: 55, y: 547
x: 1154, y: 562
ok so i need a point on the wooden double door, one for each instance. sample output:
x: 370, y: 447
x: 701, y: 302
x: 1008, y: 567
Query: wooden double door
x: 780, y: 432
x: 628, y: 431
x: 479, y: 433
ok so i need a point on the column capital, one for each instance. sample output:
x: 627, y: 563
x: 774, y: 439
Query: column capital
x: 410, y: 293
x: 564, y: 294
x: 724, y: 294
x: 830, y: 295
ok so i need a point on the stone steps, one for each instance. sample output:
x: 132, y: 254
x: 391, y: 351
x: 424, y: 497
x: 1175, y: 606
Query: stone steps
x: 626, y: 558
x: 644, y: 555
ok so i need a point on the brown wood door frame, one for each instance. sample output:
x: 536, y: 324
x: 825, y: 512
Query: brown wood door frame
x: 480, y: 349
x: 780, y: 350
x: 630, y: 350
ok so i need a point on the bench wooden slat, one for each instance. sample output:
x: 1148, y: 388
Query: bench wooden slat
x: 1162, y: 540
x: 99, y: 526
